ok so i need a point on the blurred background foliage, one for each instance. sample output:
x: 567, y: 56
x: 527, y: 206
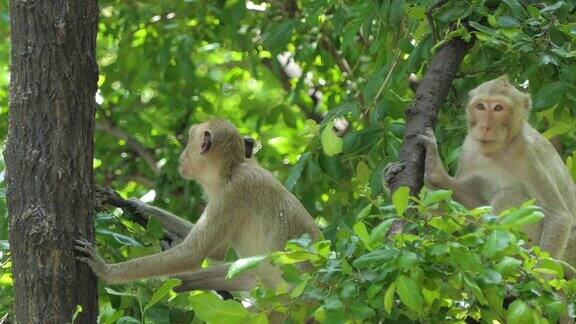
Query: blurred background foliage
x: 282, y: 71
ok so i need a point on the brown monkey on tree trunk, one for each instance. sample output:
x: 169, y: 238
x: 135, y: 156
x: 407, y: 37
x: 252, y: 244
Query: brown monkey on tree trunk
x: 247, y: 209
x: 505, y: 161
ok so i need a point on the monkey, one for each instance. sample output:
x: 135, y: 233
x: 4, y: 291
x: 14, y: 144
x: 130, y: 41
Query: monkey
x: 504, y: 162
x: 247, y: 208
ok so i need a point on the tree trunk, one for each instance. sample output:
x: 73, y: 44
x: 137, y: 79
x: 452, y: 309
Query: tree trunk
x: 49, y: 156
x: 423, y: 112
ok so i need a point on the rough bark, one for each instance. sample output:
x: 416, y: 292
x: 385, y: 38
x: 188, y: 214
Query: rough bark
x: 49, y: 156
x: 423, y: 112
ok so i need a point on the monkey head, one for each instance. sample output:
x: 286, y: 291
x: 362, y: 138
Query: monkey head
x: 496, y: 111
x: 213, y: 148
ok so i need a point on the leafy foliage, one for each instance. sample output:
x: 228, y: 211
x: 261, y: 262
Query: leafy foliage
x: 447, y: 265
x: 167, y: 64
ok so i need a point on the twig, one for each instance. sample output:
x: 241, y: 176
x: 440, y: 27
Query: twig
x: 429, y: 14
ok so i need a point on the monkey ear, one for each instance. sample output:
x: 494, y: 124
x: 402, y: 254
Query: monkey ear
x: 248, y: 146
x: 206, y: 142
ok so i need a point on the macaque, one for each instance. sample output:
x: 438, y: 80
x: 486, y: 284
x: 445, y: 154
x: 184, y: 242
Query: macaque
x: 247, y: 209
x: 504, y: 162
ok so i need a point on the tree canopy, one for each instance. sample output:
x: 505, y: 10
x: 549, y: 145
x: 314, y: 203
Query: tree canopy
x: 323, y: 86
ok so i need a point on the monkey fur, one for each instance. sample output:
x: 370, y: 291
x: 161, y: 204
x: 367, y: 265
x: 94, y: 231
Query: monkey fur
x: 504, y: 162
x: 247, y: 209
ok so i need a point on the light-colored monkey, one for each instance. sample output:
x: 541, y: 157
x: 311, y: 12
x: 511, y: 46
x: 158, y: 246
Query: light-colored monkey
x: 504, y: 161
x: 247, y: 209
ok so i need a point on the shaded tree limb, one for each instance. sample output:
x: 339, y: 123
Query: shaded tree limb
x: 108, y: 196
x: 146, y: 155
x: 423, y: 112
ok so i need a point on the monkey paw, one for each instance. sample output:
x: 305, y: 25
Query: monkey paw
x: 390, y: 171
x: 91, y: 258
x: 427, y: 139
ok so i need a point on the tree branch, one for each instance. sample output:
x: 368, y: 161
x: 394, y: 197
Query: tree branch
x: 284, y: 78
x: 108, y: 196
x: 146, y: 155
x: 423, y: 112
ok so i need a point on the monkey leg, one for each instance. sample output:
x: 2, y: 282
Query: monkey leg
x: 214, y: 278
x: 556, y: 232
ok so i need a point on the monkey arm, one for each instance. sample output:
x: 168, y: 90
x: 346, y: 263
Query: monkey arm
x: 211, y: 230
x: 437, y: 177
x: 169, y: 221
x: 558, y: 220
x: 462, y: 192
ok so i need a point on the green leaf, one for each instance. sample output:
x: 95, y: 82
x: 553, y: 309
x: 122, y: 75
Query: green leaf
x: 380, y: 231
x: 276, y: 38
x: 395, y: 12
x: 549, y: 95
x: 466, y: 260
x: 400, y: 199
x: 436, y: 196
x: 482, y: 28
x: 519, y: 313
x: 498, y: 241
x: 331, y: 144
x: 507, y: 22
x: 210, y: 308
x: 553, y: 7
x: 361, y: 231
x: 296, y: 172
x: 471, y: 285
x: 508, y: 266
x: 123, y: 239
x: 389, y: 298
x: 154, y: 228
x: 118, y: 293
x: 161, y: 292
x: 409, y: 293
x: 516, y: 8
x: 128, y: 320
x: 522, y: 216
x: 360, y: 141
x: 241, y: 265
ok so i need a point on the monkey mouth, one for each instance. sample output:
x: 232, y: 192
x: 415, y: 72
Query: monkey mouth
x: 484, y: 141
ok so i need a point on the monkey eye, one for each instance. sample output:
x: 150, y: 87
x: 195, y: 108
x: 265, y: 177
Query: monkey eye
x: 480, y: 106
x: 498, y: 108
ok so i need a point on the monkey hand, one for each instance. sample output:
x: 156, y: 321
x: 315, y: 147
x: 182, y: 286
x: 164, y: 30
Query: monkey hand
x: 390, y: 171
x: 435, y: 175
x: 89, y: 256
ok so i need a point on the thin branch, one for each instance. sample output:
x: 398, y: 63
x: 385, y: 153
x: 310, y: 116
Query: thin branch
x: 284, y: 78
x: 142, y: 151
x: 343, y: 65
x: 339, y: 58
x: 108, y: 196
x: 429, y: 14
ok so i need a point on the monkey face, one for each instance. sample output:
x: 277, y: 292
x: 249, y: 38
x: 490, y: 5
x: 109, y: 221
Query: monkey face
x: 496, y: 112
x: 489, y: 119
